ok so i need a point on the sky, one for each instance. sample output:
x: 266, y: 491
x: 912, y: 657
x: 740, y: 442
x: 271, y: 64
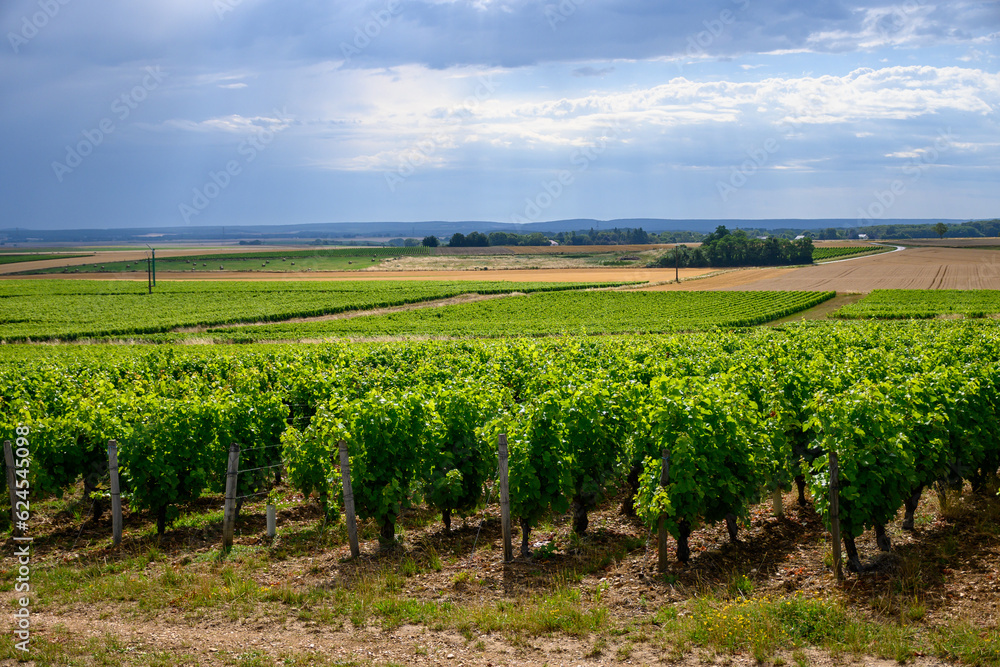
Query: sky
x: 242, y: 112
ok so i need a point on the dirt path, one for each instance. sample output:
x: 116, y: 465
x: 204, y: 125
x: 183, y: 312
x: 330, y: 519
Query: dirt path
x: 250, y: 641
x: 346, y: 315
x: 821, y: 311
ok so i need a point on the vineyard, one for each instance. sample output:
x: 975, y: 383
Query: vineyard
x: 554, y: 313
x: 905, y: 304
x: 741, y: 415
x: 828, y: 252
x: 69, y: 310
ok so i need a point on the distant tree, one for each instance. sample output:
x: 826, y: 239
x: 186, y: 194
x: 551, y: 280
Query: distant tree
x: 536, y: 238
x: 503, y: 238
x: 477, y: 240
x: 430, y: 241
x: 940, y: 229
x: 411, y: 243
x: 457, y: 240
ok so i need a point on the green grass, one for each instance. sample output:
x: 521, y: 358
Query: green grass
x: 906, y: 304
x: 543, y: 314
x: 73, y: 309
x: 764, y: 626
x: 319, y: 259
x: 15, y: 259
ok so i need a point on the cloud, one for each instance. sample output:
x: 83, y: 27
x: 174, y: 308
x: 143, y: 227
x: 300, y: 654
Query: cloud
x: 593, y: 71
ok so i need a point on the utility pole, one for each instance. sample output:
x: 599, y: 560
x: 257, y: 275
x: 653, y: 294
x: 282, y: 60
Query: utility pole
x: 151, y: 268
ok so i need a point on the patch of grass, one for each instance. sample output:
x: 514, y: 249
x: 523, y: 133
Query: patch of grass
x: 968, y: 644
x: 763, y: 626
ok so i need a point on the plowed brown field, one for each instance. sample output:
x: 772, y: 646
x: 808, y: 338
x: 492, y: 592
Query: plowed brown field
x: 913, y: 268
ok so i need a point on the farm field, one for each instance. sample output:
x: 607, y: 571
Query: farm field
x: 912, y: 268
x: 900, y: 304
x: 234, y: 261
x: 837, y: 252
x: 588, y: 275
x: 589, y: 407
x: 70, y: 309
x: 17, y: 259
x: 105, y: 256
x: 288, y: 261
x: 537, y: 315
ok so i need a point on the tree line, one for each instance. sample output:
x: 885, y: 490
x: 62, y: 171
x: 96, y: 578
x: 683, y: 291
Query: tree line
x: 726, y: 248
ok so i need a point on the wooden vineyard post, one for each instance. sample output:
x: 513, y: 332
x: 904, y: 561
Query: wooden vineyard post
x: 116, y: 496
x: 352, y: 522
x: 835, y: 515
x: 229, y: 512
x: 661, y: 523
x: 8, y: 457
x: 508, y: 547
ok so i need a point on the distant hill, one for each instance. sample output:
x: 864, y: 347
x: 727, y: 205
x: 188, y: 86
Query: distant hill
x: 442, y: 229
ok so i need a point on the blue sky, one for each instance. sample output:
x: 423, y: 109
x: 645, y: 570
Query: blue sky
x: 226, y: 112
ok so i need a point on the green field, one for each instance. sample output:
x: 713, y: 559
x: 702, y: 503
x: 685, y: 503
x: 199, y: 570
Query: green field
x: 546, y: 314
x: 319, y: 259
x: 905, y: 304
x: 73, y: 309
x: 824, y: 253
x: 16, y: 259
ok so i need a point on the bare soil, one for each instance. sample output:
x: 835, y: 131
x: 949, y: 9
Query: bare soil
x: 719, y: 279
x: 950, y: 565
x: 913, y: 268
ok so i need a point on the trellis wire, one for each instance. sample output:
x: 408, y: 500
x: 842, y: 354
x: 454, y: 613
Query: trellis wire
x: 488, y: 498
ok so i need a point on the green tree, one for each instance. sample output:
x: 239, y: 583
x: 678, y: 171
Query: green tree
x: 430, y: 242
x: 940, y: 229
